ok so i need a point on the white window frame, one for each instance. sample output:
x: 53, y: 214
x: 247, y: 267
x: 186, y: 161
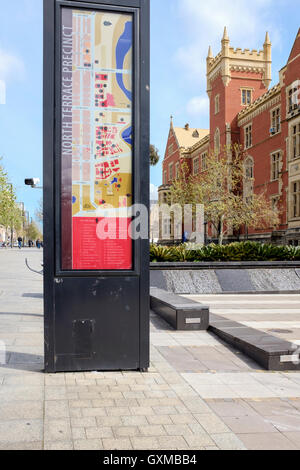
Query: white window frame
x: 275, y: 165
x: 196, y: 170
x: 290, y: 106
x: 294, y: 140
x: 248, y: 136
x: 295, y: 200
x: 204, y: 157
x: 247, y: 91
x: 274, y: 120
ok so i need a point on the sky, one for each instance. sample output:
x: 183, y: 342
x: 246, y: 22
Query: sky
x: 181, y: 31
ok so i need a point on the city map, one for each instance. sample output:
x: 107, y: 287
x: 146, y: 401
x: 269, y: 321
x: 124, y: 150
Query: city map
x: 101, y: 130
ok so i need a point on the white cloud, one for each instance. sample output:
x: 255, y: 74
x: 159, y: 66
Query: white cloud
x: 153, y: 192
x: 11, y: 67
x: 203, y: 25
x: 199, y: 105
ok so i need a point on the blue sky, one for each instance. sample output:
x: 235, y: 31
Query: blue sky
x: 181, y: 31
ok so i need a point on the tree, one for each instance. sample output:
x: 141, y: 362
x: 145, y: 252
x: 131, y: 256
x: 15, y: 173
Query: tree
x: 11, y: 216
x: 32, y: 232
x: 154, y: 155
x: 39, y: 211
x: 221, y: 191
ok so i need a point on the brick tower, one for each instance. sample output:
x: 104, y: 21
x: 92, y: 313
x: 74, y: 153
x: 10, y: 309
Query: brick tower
x: 235, y: 78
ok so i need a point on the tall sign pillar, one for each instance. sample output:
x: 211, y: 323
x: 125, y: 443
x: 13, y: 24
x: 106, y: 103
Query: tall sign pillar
x: 96, y: 170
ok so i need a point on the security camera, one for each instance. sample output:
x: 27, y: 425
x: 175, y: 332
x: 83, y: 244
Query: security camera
x: 33, y: 182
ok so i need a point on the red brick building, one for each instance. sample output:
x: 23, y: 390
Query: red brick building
x: 266, y: 122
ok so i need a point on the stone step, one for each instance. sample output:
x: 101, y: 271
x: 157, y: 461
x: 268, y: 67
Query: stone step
x: 272, y: 353
x: 182, y: 314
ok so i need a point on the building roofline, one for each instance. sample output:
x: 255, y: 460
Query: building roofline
x: 262, y: 99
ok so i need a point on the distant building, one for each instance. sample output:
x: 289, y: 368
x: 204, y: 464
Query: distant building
x: 266, y: 122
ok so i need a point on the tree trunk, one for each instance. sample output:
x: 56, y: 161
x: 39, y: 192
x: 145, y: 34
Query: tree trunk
x: 221, y: 231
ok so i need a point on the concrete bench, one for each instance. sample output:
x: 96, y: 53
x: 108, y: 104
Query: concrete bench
x: 271, y: 352
x: 182, y: 314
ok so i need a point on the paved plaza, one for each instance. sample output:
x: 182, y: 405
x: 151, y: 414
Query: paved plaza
x: 199, y: 393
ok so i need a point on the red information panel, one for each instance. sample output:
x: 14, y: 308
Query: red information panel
x: 96, y: 139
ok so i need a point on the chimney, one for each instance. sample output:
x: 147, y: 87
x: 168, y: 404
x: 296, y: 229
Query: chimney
x: 187, y: 127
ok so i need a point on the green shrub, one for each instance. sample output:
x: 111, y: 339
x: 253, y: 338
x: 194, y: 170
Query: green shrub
x: 246, y: 251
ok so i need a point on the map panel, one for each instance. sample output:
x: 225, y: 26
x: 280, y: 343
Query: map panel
x: 96, y: 134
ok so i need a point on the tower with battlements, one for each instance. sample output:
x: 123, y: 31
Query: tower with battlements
x: 235, y: 79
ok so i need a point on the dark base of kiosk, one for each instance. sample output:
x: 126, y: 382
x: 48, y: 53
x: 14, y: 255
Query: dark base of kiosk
x: 97, y: 326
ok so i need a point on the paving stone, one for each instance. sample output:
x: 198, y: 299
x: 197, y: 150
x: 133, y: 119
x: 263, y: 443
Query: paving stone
x: 273, y: 407
x: 134, y: 420
x: 87, y: 412
x: 159, y: 419
x: 232, y: 408
x: 21, y: 410
x: 68, y: 445
x: 197, y: 406
x: 57, y: 409
x: 126, y: 431
x: 86, y: 422
x: 196, y: 428
x: 212, y: 424
x: 13, y: 393
x: 267, y: 441
x: 285, y: 423
x: 183, y: 419
x: 117, y: 444
x: 55, y: 393
x: 201, y: 440
x: 118, y: 411
x: 145, y: 443
x: 80, y: 404
x: 249, y: 425
x: 152, y: 430
x: 78, y: 433
x: 108, y: 421
x: 31, y: 379
x: 177, y: 429
x: 172, y: 443
x: 88, y: 444
x: 100, y: 403
x: 164, y: 410
x: 228, y: 441
x: 99, y: 432
x: 120, y: 403
x: 21, y: 445
x: 21, y: 431
x: 141, y: 411
x: 57, y: 430
x: 294, y: 437
x: 75, y: 412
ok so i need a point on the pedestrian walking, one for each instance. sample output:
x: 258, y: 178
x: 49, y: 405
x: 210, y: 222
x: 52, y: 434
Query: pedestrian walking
x: 20, y: 239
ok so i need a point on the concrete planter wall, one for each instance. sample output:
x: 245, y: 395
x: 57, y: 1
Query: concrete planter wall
x: 232, y: 277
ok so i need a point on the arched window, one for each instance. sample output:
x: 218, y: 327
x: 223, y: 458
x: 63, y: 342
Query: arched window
x: 249, y: 168
x: 217, y: 141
